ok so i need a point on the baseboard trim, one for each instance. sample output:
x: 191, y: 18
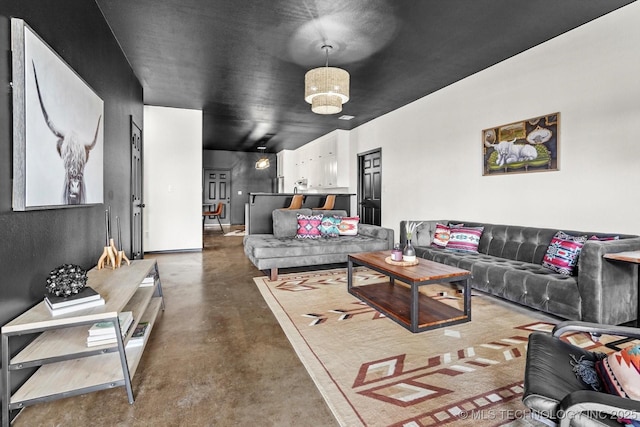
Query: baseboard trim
x: 173, y: 251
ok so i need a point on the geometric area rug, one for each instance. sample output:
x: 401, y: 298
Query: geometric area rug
x: 373, y: 372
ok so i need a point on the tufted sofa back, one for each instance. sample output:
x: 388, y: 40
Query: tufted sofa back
x: 527, y: 244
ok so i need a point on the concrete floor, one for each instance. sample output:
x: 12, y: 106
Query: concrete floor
x: 216, y: 357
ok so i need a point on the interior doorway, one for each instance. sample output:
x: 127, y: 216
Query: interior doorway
x: 216, y: 189
x: 136, y: 191
x: 370, y: 187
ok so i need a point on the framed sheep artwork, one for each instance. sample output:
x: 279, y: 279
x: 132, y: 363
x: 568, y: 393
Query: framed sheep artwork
x: 58, y: 128
x: 521, y: 147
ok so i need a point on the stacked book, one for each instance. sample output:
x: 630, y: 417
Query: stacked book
x: 84, y: 299
x: 137, y: 338
x: 102, y: 333
x: 150, y: 280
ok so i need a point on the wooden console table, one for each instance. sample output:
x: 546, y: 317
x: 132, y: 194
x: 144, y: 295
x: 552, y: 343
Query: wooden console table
x: 65, y: 365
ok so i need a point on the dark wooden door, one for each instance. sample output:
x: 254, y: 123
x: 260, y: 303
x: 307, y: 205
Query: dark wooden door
x: 370, y: 187
x: 217, y: 185
x: 136, y: 192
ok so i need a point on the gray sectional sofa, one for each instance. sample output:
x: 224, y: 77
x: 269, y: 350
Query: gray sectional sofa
x: 282, y: 250
x: 509, y: 265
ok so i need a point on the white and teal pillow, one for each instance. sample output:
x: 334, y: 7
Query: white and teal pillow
x: 329, y: 226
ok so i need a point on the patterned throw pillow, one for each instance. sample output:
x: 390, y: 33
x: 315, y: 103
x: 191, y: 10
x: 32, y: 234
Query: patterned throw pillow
x: 562, y: 253
x: 605, y: 238
x: 585, y: 370
x: 441, y: 236
x: 349, y: 225
x: 465, y: 239
x: 309, y: 227
x: 619, y: 374
x: 329, y: 226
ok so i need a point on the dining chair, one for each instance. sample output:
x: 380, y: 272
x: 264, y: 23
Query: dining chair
x: 213, y: 214
x: 329, y: 202
x: 296, y: 202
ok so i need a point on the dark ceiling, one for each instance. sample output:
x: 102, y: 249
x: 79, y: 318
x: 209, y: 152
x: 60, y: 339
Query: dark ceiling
x: 243, y: 62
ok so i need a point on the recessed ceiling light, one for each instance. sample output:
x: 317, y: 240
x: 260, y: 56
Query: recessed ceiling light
x: 262, y: 147
x: 345, y: 117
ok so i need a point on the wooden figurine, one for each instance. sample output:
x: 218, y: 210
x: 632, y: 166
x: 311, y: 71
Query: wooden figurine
x: 108, y: 255
x: 121, y: 255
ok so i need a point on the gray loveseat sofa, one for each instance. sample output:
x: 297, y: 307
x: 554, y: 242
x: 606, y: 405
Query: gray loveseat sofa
x: 509, y: 265
x: 281, y: 249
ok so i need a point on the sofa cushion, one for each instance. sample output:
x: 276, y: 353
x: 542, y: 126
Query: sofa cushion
x: 267, y: 246
x: 465, y: 239
x: 377, y: 232
x: 528, y: 244
x: 525, y: 283
x: 309, y: 226
x: 332, y: 212
x: 562, y: 253
x: 285, y: 221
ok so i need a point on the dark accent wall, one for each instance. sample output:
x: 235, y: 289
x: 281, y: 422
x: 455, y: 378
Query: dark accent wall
x: 34, y: 242
x: 244, y: 176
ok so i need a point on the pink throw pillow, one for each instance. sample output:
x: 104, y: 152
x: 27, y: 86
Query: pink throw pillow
x: 309, y: 226
x: 441, y: 236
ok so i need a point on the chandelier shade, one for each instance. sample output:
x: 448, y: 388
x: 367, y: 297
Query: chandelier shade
x: 326, y: 104
x: 326, y: 88
x: 262, y: 163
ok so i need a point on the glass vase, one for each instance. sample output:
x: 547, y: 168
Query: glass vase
x: 408, y: 253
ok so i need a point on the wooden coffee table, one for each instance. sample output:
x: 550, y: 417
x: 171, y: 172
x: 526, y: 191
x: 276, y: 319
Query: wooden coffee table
x: 405, y: 304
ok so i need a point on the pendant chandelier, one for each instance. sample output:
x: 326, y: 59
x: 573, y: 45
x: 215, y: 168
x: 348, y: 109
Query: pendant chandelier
x: 326, y: 88
x: 262, y: 162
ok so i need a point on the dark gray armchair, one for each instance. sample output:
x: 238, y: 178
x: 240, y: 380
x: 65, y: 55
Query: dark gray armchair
x: 554, y: 392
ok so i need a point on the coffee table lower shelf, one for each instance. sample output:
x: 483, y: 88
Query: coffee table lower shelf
x: 394, y: 301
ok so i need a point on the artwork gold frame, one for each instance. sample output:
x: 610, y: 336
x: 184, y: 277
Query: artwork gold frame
x: 521, y: 147
x: 58, y: 127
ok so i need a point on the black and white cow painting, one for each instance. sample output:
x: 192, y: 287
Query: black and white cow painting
x: 64, y: 132
x: 74, y: 152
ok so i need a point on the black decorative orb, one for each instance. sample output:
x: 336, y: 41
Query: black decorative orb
x: 66, y: 280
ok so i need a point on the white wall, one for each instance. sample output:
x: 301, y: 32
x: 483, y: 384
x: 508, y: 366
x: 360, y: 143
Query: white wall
x: 172, y: 179
x: 590, y: 75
